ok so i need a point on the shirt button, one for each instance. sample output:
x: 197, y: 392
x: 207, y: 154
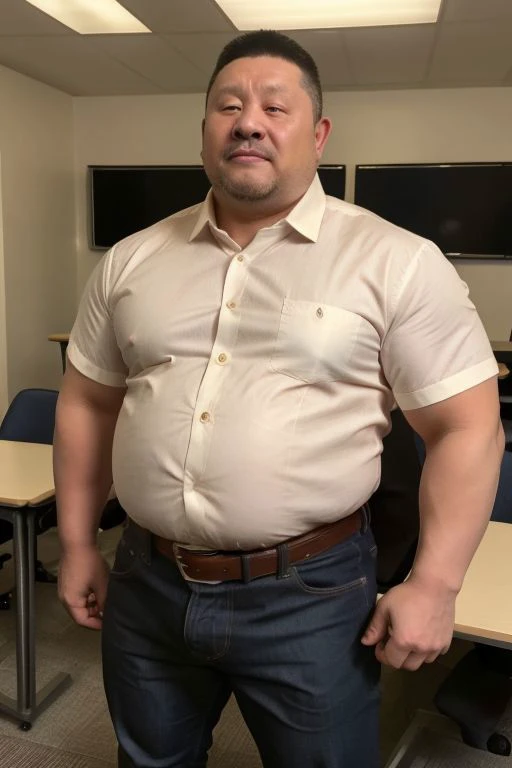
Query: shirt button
x: 320, y: 312
x: 222, y: 358
x: 240, y: 257
x: 205, y: 416
x: 231, y: 305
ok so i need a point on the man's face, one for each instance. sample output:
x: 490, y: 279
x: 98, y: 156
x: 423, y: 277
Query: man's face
x: 260, y: 142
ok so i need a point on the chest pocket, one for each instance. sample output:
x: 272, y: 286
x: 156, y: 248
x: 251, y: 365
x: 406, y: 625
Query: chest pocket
x: 315, y: 342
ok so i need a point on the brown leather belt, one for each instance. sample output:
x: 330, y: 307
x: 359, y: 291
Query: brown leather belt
x: 245, y: 566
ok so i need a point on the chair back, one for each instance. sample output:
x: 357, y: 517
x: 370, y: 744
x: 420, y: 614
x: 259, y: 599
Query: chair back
x: 30, y: 417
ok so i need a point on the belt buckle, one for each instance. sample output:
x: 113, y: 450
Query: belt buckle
x: 179, y: 560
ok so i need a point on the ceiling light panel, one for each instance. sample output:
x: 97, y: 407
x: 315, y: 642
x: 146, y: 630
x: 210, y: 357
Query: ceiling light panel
x: 324, y: 14
x: 92, y: 17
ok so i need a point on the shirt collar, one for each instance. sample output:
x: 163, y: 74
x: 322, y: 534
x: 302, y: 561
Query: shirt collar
x: 205, y: 216
x: 305, y: 217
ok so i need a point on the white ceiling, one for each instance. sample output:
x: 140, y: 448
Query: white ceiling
x: 470, y: 45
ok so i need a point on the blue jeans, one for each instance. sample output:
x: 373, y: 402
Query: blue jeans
x: 288, y: 648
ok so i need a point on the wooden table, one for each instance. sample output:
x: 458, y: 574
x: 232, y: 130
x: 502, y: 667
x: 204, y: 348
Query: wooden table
x: 62, y: 339
x: 26, y: 480
x: 484, y: 606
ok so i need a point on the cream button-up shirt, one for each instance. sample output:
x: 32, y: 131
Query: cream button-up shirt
x: 260, y: 380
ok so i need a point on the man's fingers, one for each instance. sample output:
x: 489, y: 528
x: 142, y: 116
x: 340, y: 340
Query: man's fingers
x: 84, y: 617
x: 414, y: 661
x: 377, y: 629
x: 389, y: 653
x: 403, y: 657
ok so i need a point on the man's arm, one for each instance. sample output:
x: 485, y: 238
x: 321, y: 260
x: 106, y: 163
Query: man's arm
x: 464, y: 444
x: 85, y: 421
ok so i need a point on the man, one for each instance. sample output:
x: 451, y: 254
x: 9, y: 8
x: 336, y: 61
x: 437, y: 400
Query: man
x: 247, y: 352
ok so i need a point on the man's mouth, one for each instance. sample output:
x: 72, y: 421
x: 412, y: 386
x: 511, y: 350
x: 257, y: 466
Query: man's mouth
x: 247, y: 156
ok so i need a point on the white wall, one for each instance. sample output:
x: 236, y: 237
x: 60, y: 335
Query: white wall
x: 4, y: 397
x: 39, y: 288
x: 467, y: 124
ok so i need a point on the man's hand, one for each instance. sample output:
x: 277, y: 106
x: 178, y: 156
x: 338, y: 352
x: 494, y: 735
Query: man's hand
x: 412, y: 624
x: 83, y: 578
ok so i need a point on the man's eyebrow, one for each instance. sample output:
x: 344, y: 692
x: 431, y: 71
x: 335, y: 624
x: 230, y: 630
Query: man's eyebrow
x: 236, y: 90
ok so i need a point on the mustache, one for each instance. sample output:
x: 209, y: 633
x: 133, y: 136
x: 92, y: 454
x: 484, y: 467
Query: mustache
x: 247, y: 147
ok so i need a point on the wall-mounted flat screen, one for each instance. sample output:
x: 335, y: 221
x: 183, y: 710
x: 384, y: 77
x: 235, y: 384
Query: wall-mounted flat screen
x: 333, y: 180
x: 125, y: 199
x: 465, y: 208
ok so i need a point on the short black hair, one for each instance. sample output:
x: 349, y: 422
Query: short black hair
x: 267, y: 42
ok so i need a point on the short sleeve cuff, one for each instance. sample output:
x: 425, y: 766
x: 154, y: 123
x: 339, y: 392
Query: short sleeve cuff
x: 82, y: 364
x: 453, y: 385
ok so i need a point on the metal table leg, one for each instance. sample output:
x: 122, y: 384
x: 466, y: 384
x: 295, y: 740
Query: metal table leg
x: 29, y: 704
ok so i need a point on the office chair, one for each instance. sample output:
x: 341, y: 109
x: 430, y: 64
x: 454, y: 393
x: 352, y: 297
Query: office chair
x: 477, y: 694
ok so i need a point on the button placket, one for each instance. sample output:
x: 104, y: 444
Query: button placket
x: 215, y: 374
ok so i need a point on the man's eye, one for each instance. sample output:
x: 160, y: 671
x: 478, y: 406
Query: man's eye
x: 230, y: 108
x: 274, y: 109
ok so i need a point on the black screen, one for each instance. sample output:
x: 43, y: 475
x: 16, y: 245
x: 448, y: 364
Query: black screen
x: 125, y: 199
x: 466, y: 209
x: 333, y: 180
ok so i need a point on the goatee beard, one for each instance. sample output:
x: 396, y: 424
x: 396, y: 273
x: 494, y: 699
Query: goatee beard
x: 246, y: 192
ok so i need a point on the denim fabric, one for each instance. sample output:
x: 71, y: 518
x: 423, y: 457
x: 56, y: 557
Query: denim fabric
x: 288, y: 648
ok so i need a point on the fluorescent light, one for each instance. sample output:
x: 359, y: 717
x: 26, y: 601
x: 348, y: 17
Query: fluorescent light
x: 92, y: 17
x: 321, y: 14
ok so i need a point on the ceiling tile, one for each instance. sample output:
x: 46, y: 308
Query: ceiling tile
x: 327, y: 47
x: 201, y: 49
x: 72, y: 64
x: 155, y: 59
x: 172, y: 16
x: 20, y: 18
x: 390, y: 55
x: 472, y: 53
x: 477, y: 10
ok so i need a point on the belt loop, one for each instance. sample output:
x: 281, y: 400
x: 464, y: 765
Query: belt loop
x: 246, y: 568
x: 283, y: 564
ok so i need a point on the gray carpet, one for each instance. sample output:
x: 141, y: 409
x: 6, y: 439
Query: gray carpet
x: 16, y: 753
x: 431, y: 750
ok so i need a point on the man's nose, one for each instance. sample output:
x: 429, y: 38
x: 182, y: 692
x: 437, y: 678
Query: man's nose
x: 248, y: 126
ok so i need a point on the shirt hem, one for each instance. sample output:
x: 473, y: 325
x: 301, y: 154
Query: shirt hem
x: 453, y: 385
x: 82, y: 364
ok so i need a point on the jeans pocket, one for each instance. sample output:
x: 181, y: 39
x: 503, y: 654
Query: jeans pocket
x: 336, y: 572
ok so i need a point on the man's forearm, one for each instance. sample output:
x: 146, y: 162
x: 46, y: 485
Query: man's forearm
x: 457, y: 491
x: 82, y: 468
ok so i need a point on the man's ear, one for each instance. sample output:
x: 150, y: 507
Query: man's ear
x: 322, y: 131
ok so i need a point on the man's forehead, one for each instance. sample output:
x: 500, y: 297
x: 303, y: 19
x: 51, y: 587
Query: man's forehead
x: 275, y: 71
x: 234, y: 88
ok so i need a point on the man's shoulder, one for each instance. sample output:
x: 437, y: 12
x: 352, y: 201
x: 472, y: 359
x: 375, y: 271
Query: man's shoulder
x: 379, y: 235
x: 363, y: 217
